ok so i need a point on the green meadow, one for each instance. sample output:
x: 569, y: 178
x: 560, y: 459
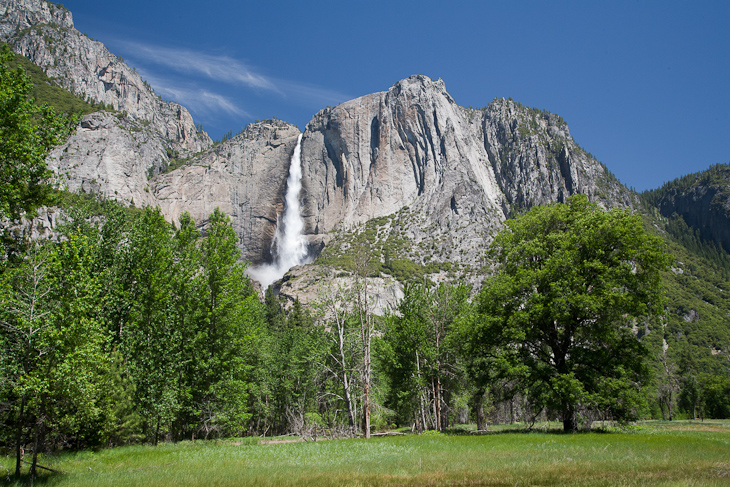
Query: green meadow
x: 652, y: 453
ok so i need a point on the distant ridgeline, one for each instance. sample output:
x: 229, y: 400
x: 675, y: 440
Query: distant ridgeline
x: 701, y: 199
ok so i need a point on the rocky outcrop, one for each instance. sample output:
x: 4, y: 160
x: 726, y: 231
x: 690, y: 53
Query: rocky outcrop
x: 537, y: 162
x: 44, y: 33
x: 702, y: 200
x: 245, y: 177
x: 43, y: 225
x: 452, y: 174
x: 309, y: 284
x: 20, y: 15
x: 113, y: 152
x: 411, y: 146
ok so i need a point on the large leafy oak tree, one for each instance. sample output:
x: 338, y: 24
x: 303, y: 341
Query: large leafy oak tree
x: 573, y: 280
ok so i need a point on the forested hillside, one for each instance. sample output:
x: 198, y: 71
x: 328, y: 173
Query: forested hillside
x: 701, y: 199
x: 692, y: 347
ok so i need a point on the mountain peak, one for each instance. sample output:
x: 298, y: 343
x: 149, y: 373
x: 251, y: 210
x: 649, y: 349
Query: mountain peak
x: 418, y: 84
x: 23, y: 14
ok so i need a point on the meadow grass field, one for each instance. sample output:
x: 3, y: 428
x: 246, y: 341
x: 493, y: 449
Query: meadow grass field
x: 652, y: 453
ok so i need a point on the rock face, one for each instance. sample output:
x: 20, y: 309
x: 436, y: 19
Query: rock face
x: 702, y: 200
x: 443, y: 176
x: 24, y: 14
x: 111, y: 154
x: 452, y: 174
x: 371, y: 156
x: 411, y: 146
x: 537, y: 162
x: 245, y: 177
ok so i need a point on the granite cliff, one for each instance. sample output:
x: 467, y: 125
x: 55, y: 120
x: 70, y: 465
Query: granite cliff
x: 702, y: 199
x: 432, y: 179
x: 113, y: 152
x: 245, y: 177
x: 536, y: 161
x: 435, y: 180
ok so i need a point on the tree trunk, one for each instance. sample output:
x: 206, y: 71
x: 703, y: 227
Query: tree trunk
x: 348, y: 403
x: 435, y: 400
x: 367, y: 409
x: 569, y: 422
x: 37, y: 444
x: 19, y: 437
x: 157, y: 430
x: 345, y: 380
x: 480, y: 411
x: 439, y: 421
x: 362, y: 259
x: 422, y: 401
x: 367, y: 334
x: 669, y: 407
x: 368, y: 373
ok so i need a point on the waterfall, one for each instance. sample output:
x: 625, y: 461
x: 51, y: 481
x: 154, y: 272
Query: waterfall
x: 289, y: 246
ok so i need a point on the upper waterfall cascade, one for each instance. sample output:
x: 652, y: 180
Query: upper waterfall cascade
x: 289, y: 246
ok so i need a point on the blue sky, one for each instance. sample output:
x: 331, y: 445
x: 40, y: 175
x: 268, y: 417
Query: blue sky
x: 643, y: 85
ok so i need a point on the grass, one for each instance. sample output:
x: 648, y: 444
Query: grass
x: 654, y: 453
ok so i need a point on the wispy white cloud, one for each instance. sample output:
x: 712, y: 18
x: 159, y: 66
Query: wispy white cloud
x: 231, y: 71
x: 198, y: 100
x: 203, y: 101
x: 219, y: 68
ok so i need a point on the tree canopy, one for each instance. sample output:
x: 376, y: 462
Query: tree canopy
x: 27, y: 133
x: 558, y: 318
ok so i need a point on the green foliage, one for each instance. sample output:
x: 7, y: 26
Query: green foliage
x: 44, y: 91
x: 419, y: 354
x: 27, y: 134
x: 557, y: 317
x: 716, y: 177
x: 289, y: 375
x: 691, y: 345
x: 229, y: 332
x: 691, y: 240
x: 127, y: 329
x: 185, y: 318
x: 53, y: 345
x: 146, y: 338
x: 701, y: 199
x: 229, y: 135
x: 174, y: 161
x: 120, y: 423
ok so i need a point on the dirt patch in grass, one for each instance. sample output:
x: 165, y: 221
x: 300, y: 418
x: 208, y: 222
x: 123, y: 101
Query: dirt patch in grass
x: 281, y: 441
x: 706, y: 427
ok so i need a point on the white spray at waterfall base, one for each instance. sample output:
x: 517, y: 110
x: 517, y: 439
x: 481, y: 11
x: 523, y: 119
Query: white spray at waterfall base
x: 289, y: 247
